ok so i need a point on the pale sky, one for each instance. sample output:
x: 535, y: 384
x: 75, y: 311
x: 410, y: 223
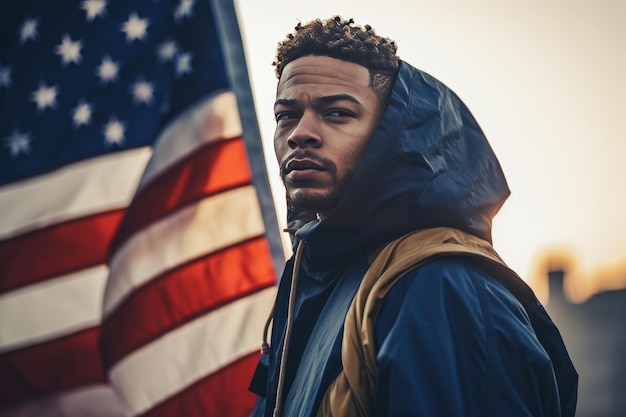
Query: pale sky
x: 545, y: 81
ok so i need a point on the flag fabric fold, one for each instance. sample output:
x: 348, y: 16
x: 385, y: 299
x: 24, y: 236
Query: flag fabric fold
x: 138, y: 239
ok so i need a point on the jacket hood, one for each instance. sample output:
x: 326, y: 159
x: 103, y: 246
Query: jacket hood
x: 428, y: 164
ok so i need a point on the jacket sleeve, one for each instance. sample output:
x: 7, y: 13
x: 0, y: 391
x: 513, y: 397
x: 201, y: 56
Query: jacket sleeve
x: 452, y: 341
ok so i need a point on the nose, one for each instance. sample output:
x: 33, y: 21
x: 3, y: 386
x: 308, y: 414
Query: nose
x: 306, y: 133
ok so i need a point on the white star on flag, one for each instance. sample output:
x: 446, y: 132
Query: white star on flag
x: 18, y: 143
x: 45, y: 96
x: 142, y: 92
x: 5, y: 76
x: 108, y: 70
x: 183, y: 64
x: 167, y: 51
x: 82, y: 114
x: 184, y: 9
x: 94, y: 8
x: 28, y: 30
x: 135, y: 28
x: 114, y: 131
x: 69, y: 50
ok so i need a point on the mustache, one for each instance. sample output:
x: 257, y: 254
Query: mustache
x: 320, y: 160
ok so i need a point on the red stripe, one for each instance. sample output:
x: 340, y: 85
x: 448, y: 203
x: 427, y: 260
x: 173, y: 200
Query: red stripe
x: 216, y: 167
x: 56, y: 250
x: 224, y: 393
x: 183, y: 294
x: 57, y: 365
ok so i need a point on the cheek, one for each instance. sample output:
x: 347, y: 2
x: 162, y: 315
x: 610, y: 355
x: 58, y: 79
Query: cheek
x: 359, y: 144
x: 346, y: 160
x: 279, y: 148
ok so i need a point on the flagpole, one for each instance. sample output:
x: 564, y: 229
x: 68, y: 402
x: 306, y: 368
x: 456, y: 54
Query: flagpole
x: 234, y: 56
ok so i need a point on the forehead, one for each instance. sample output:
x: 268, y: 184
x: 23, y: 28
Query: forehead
x: 323, y: 74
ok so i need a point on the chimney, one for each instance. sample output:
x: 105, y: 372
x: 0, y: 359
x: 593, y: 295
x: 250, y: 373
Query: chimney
x: 555, y: 287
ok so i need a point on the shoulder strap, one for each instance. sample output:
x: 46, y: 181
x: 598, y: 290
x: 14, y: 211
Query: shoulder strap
x: 351, y: 394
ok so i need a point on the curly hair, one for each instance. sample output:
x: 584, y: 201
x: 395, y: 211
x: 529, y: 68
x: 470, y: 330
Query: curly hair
x: 340, y: 38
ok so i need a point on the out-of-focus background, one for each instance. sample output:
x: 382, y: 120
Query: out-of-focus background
x: 545, y: 79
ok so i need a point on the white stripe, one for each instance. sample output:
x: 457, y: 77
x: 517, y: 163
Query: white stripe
x: 52, y: 308
x: 80, y: 189
x: 168, y: 365
x: 86, y: 401
x: 198, y: 229
x: 213, y: 118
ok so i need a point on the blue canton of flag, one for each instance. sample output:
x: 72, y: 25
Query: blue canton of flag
x: 80, y: 79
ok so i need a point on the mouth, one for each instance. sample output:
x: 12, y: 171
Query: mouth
x: 303, y: 164
x: 302, y: 169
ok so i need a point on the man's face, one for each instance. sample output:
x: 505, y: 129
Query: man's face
x: 326, y: 112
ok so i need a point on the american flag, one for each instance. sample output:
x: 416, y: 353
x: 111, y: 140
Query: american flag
x: 138, y: 239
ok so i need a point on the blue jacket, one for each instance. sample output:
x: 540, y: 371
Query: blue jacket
x: 450, y: 339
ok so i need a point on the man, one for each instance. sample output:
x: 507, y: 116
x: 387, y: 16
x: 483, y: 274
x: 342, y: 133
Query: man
x: 395, y: 303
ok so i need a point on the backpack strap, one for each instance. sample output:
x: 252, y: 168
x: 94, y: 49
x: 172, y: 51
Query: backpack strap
x: 352, y: 392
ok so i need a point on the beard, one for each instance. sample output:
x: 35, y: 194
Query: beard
x: 310, y: 201
x: 306, y: 201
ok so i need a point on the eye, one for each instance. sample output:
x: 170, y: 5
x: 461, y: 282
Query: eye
x: 284, y: 116
x: 338, y: 113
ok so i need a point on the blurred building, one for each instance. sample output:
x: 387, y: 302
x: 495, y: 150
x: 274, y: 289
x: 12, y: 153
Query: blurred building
x: 595, y: 335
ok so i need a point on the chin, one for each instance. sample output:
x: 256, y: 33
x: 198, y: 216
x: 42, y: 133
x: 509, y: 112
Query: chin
x: 312, y: 201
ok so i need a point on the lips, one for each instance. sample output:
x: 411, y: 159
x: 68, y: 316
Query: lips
x: 302, y: 165
x: 299, y: 170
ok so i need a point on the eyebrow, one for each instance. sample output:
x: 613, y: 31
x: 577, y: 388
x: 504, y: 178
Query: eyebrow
x: 321, y: 100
